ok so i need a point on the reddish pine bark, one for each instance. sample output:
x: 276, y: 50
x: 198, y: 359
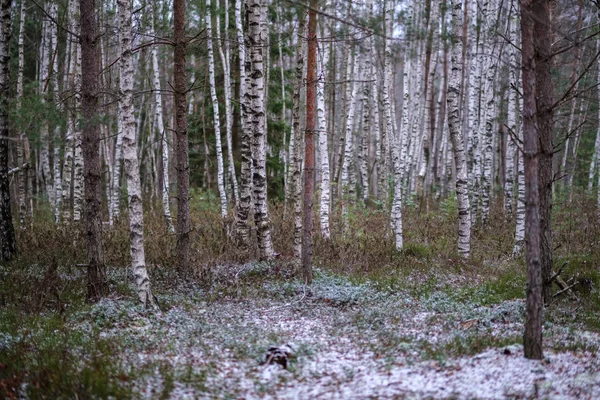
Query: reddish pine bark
x: 96, y: 279
x: 309, y: 149
x: 532, y: 338
x: 181, y: 137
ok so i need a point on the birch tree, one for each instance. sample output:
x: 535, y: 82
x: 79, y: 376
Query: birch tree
x: 21, y: 142
x: 257, y: 29
x: 215, y: 103
x: 161, y: 132
x: 130, y: 158
x: 454, y: 91
x: 224, y: 54
x: 325, y: 202
x: 8, y: 245
x: 396, y: 213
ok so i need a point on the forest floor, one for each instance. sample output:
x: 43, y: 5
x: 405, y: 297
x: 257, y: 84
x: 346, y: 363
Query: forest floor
x: 436, y: 336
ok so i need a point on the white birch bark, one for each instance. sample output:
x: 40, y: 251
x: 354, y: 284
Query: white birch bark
x: 476, y: 68
x: 454, y: 91
x: 520, y: 226
x: 78, y: 154
x: 227, y: 86
x: 396, y: 212
x: 115, y: 194
x: 56, y: 181
x: 596, y: 154
x: 429, y: 109
x: 71, y: 118
x: 22, y: 174
x: 512, y: 116
x: 131, y: 165
x: 161, y: 133
x: 347, y: 164
x: 44, y: 73
x: 323, y: 136
x: 241, y: 53
x: 257, y: 32
x: 215, y: 103
x: 489, y: 15
x: 297, y: 145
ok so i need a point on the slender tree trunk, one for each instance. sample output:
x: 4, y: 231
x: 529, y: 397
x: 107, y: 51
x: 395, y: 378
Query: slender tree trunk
x: 347, y: 191
x: 78, y: 164
x: 512, y: 117
x: 215, y: 103
x: 130, y: 158
x: 162, y: 133
x: 297, y: 144
x: 8, y: 244
x: 532, y: 339
x: 396, y: 214
x: 257, y: 26
x: 489, y: 15
x: 309, y: 155
x: 545, y: 120
x: 181, y: 137
x: 97, y: 284
x: 115, y: 193
x: 227, y: 86
x: 247, y: 103
x: 454, y: 91
x: 57, y: 178
x: 596, y: 154
x: 325, y: 203
x: 22, y: 174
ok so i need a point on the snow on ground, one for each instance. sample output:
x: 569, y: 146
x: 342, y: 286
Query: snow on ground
x: 350, y: 342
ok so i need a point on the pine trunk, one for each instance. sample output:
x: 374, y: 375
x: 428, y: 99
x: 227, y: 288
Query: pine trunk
x: 97, y: 284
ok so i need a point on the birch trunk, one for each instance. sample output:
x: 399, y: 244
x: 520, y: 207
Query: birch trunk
x: 396, y: 214
x: 247, y: 112
x: 130, y: 158
x: 325, y: 202
x: 476, y: 68
x: 22, y: 174
x: 46, y: 50
x: 512, y: 117
x: 78, y: 163
x: 297, y: 144
x: 347, y: 164
x: 115, y: 193
x: 215, y: 103
x: 596, y: 155
x: 8, y: 245
x: 161, y: 133
x: 257, y: 32
x: 56, y: 180
x: 489, y: 16
x: 227, y: 86
x: 454, y: 91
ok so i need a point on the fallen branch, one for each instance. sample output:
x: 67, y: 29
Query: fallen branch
x: 567, y: 289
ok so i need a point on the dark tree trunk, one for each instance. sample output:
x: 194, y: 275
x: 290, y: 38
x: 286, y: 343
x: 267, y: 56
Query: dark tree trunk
x: 532, y: 339
x: 8, y: 245
x: 542, y: 37
x: 181, y: 137
x: 309, y: 143
x: 97, y: 285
